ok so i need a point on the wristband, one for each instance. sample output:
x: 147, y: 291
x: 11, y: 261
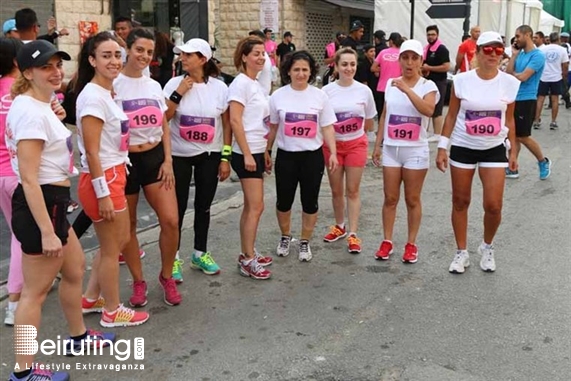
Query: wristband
x: 226, y: 157
x: 226, y: 150
x: 175, y: 97
x: 443, y: 142
x: 224, y: 160
x: 100, y: 187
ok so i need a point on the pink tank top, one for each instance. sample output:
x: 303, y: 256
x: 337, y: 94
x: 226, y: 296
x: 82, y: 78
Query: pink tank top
x: 5, y: 102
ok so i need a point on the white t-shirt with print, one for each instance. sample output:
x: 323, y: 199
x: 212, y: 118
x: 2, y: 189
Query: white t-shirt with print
x: 352, y: 105
x: 96, y: 101
x: 196, y: 126
x: 300, y: 115
x: 31, y: 119
x: 481, y: 120
x: 142, y: 100
x: 255, y: 118
x: 404, y: 125
x: 555, y: 55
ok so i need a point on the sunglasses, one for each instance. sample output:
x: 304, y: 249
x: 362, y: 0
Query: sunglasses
x: 488, y: 50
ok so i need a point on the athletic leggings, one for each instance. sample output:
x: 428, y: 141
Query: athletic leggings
x: 81, y: 224
x: 205, y: 183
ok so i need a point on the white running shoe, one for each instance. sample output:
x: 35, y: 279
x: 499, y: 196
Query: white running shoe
x: 487, y: 263
x: 284, y: 246
x: 460, y: 262
x: 9, y: 317
x: 304, y: 251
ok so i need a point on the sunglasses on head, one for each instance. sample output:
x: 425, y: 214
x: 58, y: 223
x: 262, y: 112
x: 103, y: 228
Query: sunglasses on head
x: 488, y: 50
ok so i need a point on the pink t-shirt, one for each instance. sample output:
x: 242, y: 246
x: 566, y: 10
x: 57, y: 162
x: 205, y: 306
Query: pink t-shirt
x: 5, y: 102
x: 388, y: 60
x: 271, y: 48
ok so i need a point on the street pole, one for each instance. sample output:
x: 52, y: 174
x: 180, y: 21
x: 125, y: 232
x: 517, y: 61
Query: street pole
x: 411, y: 19
x: 467, y: 19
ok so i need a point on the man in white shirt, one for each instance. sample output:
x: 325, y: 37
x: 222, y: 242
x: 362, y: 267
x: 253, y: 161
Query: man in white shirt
x: 553, y: 80
x: 565, y: 43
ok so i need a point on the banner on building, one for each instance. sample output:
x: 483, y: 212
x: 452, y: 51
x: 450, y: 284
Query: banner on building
x: 269, y: 13
x: 87, y: 29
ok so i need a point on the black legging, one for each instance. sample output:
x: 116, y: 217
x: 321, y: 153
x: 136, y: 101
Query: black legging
x: 205, y: 184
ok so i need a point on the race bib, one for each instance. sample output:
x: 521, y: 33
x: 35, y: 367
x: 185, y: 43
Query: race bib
x: 298, y: 125
x: 347, y: 123
x: 402, y: 127
x: 197, y: 129
x: 124, y: 145
x: 69, y: 143
x: 483, y: 123
x: 143, y: 113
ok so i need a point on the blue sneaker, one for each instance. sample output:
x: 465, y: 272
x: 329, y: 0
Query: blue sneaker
x: 512, y: 174
x: 177, y: 270
x: 42, y: 375
x: 205, y: 263
x: 544, y: 168
x: 97, y: 340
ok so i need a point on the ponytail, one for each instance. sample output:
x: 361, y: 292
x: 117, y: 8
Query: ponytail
x: 20, y: 86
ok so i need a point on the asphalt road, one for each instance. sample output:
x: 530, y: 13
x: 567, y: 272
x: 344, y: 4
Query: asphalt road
x: 349, y: 317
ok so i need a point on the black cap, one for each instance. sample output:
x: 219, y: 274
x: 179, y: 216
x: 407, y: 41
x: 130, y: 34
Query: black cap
x: 267, y: 30
x: 356, y: 25
x: 288, y: 34
x: 37, y: 53
x: 339, y: 34
x: 380, y: 34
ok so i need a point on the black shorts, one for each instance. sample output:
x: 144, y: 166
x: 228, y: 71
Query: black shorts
x: 550, y: 88
x: 24, y: 225
x: 524, y: 114
x: 144, y: 169
x: 237, y: 163
x: 441, y: 85
x: 304, y: 168
x: 467, y: 158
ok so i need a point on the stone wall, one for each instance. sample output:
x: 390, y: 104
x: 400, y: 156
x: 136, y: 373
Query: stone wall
x: 68, y: 14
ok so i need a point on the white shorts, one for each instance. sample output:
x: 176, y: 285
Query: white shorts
x: 406, y: 157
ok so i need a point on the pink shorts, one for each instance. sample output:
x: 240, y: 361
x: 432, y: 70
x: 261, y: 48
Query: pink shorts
x: 352, y: 153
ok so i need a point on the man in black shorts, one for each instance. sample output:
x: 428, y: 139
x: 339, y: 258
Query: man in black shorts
x: 435, y: 67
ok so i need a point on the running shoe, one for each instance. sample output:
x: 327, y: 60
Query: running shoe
x: 123, y: 317
x: 251, y: 268
x: 42, y: 375
x: 536, y: 125
x: 353, y: 244
x: 96, y: 340
x: 139, y: 296
x: 544, y: 168
x: 205, y: 263
x: 9, y: 317
x: 72, y: 206
x: 487, y: 263
x: 512, y: 174
x: 177, y: 270
x: 171, y: 295
x: 553, y: 126
x: 335, y: 233
x: 460, y: 262
x: 410, y: 253
x: 284, y: 246
x: 304, y: 251
x: 88, y: 307
x: 264, y: 260
x: 141, y: 255
x: 385, y: 250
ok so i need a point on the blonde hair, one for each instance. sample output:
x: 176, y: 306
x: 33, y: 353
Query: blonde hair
x: 346, y: 50
x: 20, y: 86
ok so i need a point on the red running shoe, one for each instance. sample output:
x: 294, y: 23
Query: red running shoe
x: 410, y: 253
x: 171, y: 295
x: 335, y: 233
x: 385, y: 250
x: 139, y: 296
x: 353, y: 244
x: 254, y: 269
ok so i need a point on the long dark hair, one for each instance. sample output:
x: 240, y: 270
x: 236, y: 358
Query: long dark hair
x: 8, y: 50
x: 137, y: 33
x: 86, y: 72
x: 210, y: 69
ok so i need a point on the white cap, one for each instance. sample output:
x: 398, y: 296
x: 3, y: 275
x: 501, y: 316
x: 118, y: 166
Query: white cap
x: 412, y: 46
x: 489, y: 38
x: 195, y: 45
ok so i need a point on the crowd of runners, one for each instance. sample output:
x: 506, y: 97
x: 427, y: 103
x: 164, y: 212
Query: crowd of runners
x: 133, y: 134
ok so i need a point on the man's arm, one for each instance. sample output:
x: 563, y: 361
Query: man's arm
x: 459, y: 59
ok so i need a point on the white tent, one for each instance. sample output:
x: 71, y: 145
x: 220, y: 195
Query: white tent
x: 549, y: 23
x: 503, y: 16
